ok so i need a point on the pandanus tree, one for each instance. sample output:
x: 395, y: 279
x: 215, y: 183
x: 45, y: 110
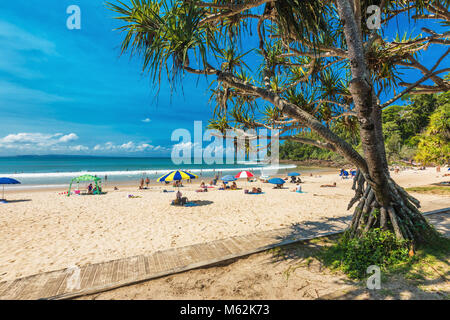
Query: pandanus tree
x: 314, y: 63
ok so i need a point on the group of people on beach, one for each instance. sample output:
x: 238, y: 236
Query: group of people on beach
x: 146, y: 181
x: 94, y: 190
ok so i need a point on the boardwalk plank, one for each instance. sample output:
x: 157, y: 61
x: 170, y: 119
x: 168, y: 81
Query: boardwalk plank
x: 3, y: 286
x: 95, y: 268
x: 53, y: 283
x: 141, y: 266
x: 230, y: 245
x: 14, y: 289
x: 115, y: 271
x: 167, y: 258
x: 158, y: 263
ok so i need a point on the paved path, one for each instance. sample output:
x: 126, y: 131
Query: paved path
x: 93, y: 278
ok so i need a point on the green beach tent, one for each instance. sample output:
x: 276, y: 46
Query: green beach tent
x: 84, y: 178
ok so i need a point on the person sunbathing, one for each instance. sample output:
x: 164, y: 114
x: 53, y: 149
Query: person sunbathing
x: 234, y: 186
x: 328, y: 185
x: 298, y: 188
x: 97, y: 190
x: 255, y: 191
x: 179, y: 200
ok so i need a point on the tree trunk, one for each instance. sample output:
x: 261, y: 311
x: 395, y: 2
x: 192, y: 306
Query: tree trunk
x: 381, y: 202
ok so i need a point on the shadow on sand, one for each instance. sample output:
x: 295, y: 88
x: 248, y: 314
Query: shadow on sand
x: 15, y: 201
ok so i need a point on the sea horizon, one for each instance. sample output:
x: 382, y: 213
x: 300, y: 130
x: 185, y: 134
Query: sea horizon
x: 57, y: 170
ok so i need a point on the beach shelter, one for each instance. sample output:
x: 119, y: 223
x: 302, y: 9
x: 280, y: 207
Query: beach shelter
x: 84, y: 178
x: 244, y: 174
x: 4, y: 181
x: 293, y: 174
x: 276, y: 181
x: 228, y: 178
x: 176, y: 176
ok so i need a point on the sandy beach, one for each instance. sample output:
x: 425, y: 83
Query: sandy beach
x: 44, y: 230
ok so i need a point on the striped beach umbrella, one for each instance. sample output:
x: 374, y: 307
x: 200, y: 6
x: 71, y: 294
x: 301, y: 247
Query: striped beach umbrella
x: 176, y: 176
x: 244, y: 174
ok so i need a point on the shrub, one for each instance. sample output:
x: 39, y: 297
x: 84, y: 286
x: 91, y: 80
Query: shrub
x: 353, y: 255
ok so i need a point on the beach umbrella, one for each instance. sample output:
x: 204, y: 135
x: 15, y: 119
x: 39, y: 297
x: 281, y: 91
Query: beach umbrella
x: 276, y: 181
x: 244, y: 174
x: 228, y: 178
x: 177, y: 175
x: 4, y: 181
x: 293, y: 174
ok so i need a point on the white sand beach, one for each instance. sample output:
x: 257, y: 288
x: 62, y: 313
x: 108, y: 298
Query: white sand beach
x: 44, y: 230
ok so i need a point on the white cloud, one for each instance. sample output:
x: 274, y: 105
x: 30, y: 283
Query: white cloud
x: 69, y: 137
x: 130, y: 146
x: 185, y: 145
x: 40, y: 142
x: 40, y: 139
x: 146, y: 120
x: 63, y: 143
x: 79, y: 148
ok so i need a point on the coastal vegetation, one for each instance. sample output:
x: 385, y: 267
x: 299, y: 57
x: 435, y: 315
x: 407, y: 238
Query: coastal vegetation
x: 417, y: 130
x: 316, y: 73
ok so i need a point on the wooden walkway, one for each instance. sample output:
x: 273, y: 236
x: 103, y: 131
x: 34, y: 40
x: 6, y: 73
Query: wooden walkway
x: 93, y: 278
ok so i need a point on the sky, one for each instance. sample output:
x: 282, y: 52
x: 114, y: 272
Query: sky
x: 71, y: 92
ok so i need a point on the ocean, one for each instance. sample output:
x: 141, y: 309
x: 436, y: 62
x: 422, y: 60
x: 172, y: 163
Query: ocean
x: 56, y: 171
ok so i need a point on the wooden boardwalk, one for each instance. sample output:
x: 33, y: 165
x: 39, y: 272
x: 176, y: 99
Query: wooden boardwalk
x: 93, y: 278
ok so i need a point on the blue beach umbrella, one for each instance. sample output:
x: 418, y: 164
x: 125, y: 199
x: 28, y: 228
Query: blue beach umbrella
x: 276, y: 181
x: 228, y: 178
x: 293, y: 174
x: 4, y: 181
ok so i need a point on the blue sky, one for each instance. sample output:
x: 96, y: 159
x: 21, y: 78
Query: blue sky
x: 55, y: 82
x: 70, y: 92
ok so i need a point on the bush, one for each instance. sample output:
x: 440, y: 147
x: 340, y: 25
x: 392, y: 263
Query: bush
x: 354, y: 255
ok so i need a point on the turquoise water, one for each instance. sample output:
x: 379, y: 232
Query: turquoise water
x: 59, y: 170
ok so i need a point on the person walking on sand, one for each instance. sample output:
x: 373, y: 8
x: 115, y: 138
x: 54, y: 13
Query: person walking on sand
x: 141, y: 186
x: 147, y: 181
